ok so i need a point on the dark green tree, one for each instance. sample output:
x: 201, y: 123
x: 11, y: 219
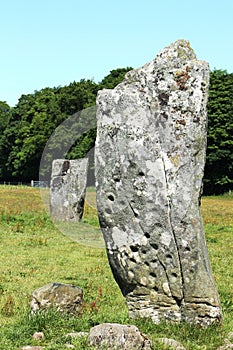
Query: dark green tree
x: 32, y: 122
x: 218, y: 176
x: 5, y: 145
x: 5, y: 111
x: 114, y: 78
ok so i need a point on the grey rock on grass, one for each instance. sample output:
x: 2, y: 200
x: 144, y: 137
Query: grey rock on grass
x: 117, y: 336
x: 64, y: 297
x: 171, y: 343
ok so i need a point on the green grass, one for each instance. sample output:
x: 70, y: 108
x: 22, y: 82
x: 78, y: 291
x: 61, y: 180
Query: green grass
x: 34, y: 252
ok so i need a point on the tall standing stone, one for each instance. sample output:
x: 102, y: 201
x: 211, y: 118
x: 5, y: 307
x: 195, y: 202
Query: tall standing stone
x: 68, y: 189
x: 150, y: 157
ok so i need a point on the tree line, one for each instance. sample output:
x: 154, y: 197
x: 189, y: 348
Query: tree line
x: 25, y: 128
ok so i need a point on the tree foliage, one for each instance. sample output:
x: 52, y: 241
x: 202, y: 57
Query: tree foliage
x: 219, y: 162
x: 33, y: 120
x: 26, y: 128
x: 114, y: 78
x: 5, y: 110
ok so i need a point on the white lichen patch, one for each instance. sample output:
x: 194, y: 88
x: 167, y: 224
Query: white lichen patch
x: 166, y: 238
x: 166, y: 289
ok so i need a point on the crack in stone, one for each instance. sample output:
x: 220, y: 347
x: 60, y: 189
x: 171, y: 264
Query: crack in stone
x: 135, y: 215
x: 174, y: 237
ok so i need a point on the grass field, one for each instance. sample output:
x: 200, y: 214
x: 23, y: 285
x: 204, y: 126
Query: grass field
x: 35, y: 252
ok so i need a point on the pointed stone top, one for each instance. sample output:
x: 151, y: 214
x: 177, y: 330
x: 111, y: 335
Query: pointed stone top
x: 175, y: 56
x: 179, y: 50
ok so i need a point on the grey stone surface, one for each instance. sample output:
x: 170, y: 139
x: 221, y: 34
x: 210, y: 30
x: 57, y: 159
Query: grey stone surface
x: 228, y: 342
x: 68, y: 189
x: 150, y: 157
x: 64, y: 297
x: 117, y: 336
x: 226, y: 346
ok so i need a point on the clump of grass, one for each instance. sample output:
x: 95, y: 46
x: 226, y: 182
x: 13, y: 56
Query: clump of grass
x: 8, y: 306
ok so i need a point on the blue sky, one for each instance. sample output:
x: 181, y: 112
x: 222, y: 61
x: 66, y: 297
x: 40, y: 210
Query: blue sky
x: 55, y: 42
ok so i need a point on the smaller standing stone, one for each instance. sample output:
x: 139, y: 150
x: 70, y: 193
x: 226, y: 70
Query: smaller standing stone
x: 64, y: 297
x: 68, y: 189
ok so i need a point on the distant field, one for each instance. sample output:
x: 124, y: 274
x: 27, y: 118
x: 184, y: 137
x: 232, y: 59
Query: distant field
x: 35, y: 252
x: 91, y: 196
x: 217, y: 210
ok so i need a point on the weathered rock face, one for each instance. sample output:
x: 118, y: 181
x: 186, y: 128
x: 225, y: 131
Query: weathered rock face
x: 117, y: 336
x: 150, y: 156
x: 64, y: 297
x: 68, y: 189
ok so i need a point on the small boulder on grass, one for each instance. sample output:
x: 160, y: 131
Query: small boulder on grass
x: 117, y: 336
x: 38, y: 336
x: 64, y: 297
x: 170, y: 343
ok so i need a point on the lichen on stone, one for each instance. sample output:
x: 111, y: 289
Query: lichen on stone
x: 149, y: 175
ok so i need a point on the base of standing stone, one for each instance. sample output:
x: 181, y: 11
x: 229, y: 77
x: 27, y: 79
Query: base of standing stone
x: 157, y: 310
x: 201, y: 314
